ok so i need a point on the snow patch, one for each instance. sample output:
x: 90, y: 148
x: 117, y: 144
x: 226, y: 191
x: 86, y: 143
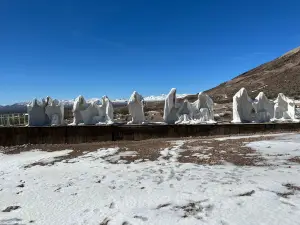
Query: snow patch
x: 250, y: 136
x: 279, y: 150
x: 24, y: 159
x: 172, y: 153
x: 91, y: 191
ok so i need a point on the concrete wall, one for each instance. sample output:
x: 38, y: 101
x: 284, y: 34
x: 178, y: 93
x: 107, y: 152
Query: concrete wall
x: 81, y: 134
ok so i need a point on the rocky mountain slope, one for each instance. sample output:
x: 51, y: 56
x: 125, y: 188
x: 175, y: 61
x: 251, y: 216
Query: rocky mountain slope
x: 279, y: 75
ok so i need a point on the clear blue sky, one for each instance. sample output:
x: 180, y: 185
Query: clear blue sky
x: 63, y: 48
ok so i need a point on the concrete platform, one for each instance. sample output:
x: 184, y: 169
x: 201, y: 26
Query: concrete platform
x: 81, y: 134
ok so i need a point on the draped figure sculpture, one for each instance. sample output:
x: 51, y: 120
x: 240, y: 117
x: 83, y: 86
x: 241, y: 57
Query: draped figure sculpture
x: 242, y: 107
x: 284, y: 108
x: 136, y: 108
x: 90, y: 115
x: 106, y: 112
x: 203, y: 108
x: 171, y: 108
x: 55, y: 111
x: 78, y: 106
x: 36, y: 113
x: 264, y: 108
x: 185, y: 113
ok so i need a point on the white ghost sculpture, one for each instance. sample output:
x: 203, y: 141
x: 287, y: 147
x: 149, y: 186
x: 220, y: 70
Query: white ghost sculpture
x: 106, y: 112
x: 55, y: 111
x: 90, y: 115
x: 171, y: 107
x: 203, y: 108
x: 185, y: 113
x: 284, y: 108
x: 136, y: 108
x: 36, y: 113
x: 242, y: 107
x: 78, y: 106
x: 264, y: 108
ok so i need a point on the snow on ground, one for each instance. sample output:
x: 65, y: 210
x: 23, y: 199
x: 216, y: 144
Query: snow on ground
x: 249, y: 136
x: 35, y: 156
x: 92, y: 189
x: 173, y: 153
x: 278, y: 150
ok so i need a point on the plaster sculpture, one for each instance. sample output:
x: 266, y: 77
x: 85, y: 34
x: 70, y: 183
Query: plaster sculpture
x: 90, y: 115
x: 264, y: 108
x: 54, y: 111
x: 171, y: 108
x: 106, y: 112
x: 242, y: 107
x: 284, y: 108
x: 184, y: 113
x: 79, y: 105
x: 203, y: 108
x: 36, y: 113
x: 136, y: 108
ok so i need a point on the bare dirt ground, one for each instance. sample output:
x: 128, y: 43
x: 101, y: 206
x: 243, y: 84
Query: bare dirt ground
x: 201, y: 150
x: 202, y: 180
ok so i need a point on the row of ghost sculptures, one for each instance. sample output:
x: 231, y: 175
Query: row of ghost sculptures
x: 245, y: 110
x: 261, y: 109
x: 200, y: 111
x: 91, y: 113
x: 51, y: 112
x: 48, y: 112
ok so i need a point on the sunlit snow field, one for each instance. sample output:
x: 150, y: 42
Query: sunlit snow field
x: 100, y: 187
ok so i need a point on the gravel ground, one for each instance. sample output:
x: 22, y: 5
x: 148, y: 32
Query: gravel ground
x: 215, y: 150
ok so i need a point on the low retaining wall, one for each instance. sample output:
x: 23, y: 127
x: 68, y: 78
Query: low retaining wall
x: 81, y: 134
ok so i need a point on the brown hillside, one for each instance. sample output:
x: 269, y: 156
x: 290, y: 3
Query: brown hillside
x: 279, y: 75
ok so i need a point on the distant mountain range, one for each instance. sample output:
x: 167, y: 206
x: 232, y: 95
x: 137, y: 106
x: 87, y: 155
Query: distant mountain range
x: 281, y: 75
x: 21, y: 107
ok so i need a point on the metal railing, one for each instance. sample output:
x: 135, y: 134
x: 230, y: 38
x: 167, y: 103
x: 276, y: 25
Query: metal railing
x: 16, y: 119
